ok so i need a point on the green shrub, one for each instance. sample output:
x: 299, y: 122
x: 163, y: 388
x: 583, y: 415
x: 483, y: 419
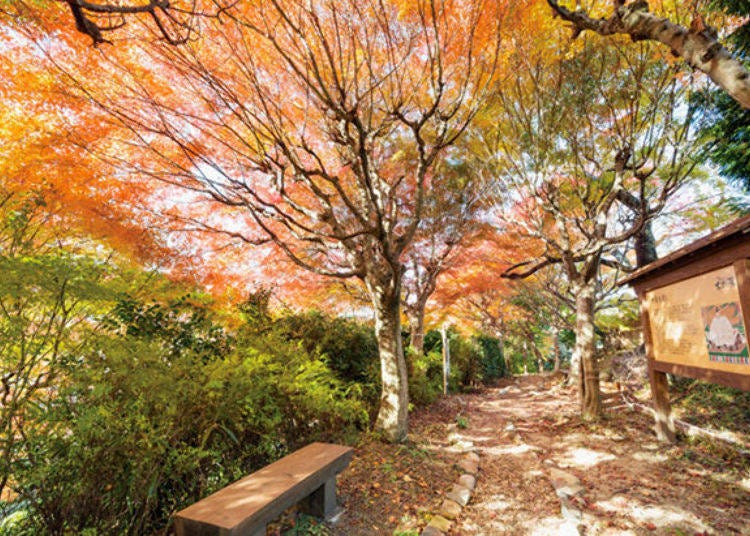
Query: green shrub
x: 349, y: 348
x: 462, y: 422
x: 14, y: 519
x: 426, y: 377
x: 134, y: 435
x: 707, y: 404
x: 466, y: 359
x: 137, y: 432
x: 426, y: 371
x: 433, y: 341
x: 181, y: 324
x: 492, y: 363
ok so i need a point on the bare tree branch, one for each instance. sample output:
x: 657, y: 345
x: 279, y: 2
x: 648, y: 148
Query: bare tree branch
x: 175, y: 21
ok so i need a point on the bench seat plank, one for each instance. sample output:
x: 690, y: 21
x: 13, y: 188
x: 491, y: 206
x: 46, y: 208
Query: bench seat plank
x: 260, y: 497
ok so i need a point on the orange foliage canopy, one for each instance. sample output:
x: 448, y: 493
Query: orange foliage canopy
x: 472, y: 293
x: 230, y: 105
x: 47, y: 139
x: 247, y: 115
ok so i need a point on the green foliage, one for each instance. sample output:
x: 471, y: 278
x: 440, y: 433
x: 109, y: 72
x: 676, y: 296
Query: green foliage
x: 14, y: 519
x: 725, y: 125
x: 739, y: 40
x: 49, y: 296
x: 425, y: 377
x: 308, y: 526
x: 466, y: 359
x: 426, y: 371
x: 492, y: 362
x: 433, y: 341
x: 462, y: 422
x: 138, y: 431
x: 135, y: 434
x: 182, y: 324
x: 522, y: 358
x: 158, y: 406
x: 348, y: 348
x: 712, y: 405
x: 255, y: 310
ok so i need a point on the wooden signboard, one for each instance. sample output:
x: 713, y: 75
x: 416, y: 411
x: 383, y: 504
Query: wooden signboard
x: 695, y: 310
x: 699, y: 322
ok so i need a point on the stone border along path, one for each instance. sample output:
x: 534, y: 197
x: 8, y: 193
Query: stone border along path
x: 545, y: 472
x: 566, y: 485
x: 460, y: 494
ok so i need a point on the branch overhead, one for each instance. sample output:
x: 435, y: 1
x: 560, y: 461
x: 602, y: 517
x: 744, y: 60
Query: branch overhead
x: 697, y: 45
x: 175, y: 21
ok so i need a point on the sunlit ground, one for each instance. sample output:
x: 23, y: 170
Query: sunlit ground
x: 511, y: 441
x: 661, y: 516
x: 582, y: 458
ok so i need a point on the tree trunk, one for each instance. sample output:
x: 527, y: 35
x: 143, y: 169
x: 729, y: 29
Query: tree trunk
x: 538, y: 356
x: 574, y: 374
x: 393, y: 415
x: 416, y: 324
x: 645, y: 246
x: 446, y: 358
x: 501, y: 344
x: 584, y: 353
x: 557, y: 350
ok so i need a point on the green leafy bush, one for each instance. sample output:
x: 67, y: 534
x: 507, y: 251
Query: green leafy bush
x: 425, y: 377
x: 466, y: 359
x: 492, y: 364
x: 138, y: 431
x: 349, y: 348
x: 711, y: 405
x: 123, y: 404
x: 185, y: 323
x: 426, y: 371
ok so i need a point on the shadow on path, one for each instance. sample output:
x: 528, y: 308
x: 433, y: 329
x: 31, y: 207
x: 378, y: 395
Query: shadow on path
x: 615, y: 478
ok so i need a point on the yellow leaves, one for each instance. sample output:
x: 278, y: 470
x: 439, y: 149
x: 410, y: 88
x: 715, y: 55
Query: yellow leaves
x: 574, y: 48
x: 399, y: 156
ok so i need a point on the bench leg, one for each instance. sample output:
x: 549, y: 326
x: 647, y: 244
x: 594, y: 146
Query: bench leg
x: 322, y: 501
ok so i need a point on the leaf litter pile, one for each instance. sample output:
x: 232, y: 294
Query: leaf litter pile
x: 523, y: 429
x: 393, y: 488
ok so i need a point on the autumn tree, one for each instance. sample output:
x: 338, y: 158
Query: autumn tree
x: 471, y: 291
x: 450, y: 222
x: 287, y: 118
x: 632, y: 136
x: 697, y: 44
x: 545, y: 307
x: 49, y: 140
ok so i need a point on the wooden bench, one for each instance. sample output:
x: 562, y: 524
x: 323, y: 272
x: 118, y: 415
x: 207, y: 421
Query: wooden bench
x: 246, y: 506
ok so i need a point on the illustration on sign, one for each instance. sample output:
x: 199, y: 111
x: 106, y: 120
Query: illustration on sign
x: 725, y: 333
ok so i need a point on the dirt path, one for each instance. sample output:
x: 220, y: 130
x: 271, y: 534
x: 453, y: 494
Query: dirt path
x: 527, y: 431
